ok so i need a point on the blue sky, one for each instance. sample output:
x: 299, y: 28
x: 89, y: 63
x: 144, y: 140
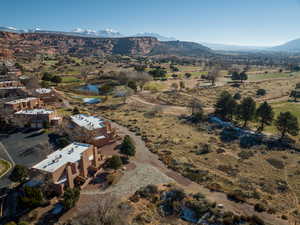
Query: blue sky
x: 242, y: 22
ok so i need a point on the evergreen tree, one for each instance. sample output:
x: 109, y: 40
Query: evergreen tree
x: 114, y: 162
x: 225, y: 106
x: 70, y: 197
x: 132, y: 84
x: 265, y: 115
x: 127, y: 146
x: 287, y: 123
x: 243, y: 76
x: 19, y: 174
x: 246, y: 110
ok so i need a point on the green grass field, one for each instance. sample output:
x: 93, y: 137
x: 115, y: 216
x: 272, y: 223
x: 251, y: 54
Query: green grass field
x: 256, y: 77
x: 70, y: 79
x: 279, y: 107
x: 4, y: 166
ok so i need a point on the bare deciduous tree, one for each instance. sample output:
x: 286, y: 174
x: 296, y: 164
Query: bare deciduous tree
x: 104, y: 212
x: 213, y: 75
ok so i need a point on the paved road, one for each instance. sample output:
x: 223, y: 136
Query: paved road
x: 4, y: 181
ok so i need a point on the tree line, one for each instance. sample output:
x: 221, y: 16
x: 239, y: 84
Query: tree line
x: 247, y: 111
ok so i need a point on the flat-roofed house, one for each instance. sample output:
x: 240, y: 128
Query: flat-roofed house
x: 10, y: 83
x: 12, y: 92
x: 91, y: 129
x: 24, y: 103
x: 36, y: 118
x: 46, y: 94
x: 74, y: 165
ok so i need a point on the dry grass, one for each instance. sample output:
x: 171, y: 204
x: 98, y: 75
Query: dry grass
x: 177, y: 143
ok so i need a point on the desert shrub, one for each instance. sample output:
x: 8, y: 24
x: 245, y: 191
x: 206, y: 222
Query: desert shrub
x: 198, y: 196
x: 229, y: 134
x: 197, y: 176
x: 255, y: 220
x: 177, y: 194
x: 19, y: 174
x: 112, y: 178
x: 259, y: 207
x: 125, y: 160
x: 282, y: 186
x: 32, y: 197
x: 237, y: 96
x: 228, y: 169
x: 245, y: 154
x: 114, y: 162
x: 249, y: 141
x: 199, y: 207
x: 70, y: 197
x: 204, y: 149
x: 284, y: 217
x: 148, y: 191
x: 142, y: 218
x: 214, y: 187
x: 237, y: 196
x: 276, y: 163
x: 261, y: 92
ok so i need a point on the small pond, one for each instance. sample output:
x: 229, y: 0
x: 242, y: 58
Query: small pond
x: 92, y: 88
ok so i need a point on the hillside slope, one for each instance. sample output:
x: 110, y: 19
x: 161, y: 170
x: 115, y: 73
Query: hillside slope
x: 30, y: 44
x: 291, y: 46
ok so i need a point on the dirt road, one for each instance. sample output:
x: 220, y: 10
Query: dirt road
x: 149, y: 159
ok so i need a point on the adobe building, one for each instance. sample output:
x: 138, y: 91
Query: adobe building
x: 73, y: 166
x: 36, y: 118
x: 92, y: 130
x: 24, y: 103
x: 46, y: 94
x: 10, y: 83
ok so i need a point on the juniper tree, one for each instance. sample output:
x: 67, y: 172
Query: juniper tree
x: 225, y: 106
x: 127, y: 147
x: 287, y: 123
x: 246, y: 110
x: 265, y: 115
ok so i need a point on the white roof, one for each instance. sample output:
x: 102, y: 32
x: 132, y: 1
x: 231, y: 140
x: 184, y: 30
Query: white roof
x: 5, y: 88
x: 88, y: 122
x: 99, y: 137
x: 35, y: 111
x: 9, y: 81
x: 21, y: 100
x: 71, y: 153
x: 43, y: 90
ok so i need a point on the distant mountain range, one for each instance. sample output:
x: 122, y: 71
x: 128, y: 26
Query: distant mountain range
x: 291, y: 46
x: 225, y: 47
x: 107, y: 33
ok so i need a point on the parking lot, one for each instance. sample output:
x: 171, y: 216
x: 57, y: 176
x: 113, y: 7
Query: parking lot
x: 26, y: 147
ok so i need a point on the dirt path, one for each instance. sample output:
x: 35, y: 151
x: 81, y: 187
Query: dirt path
x: 145, y: 157
x: 167, y: 109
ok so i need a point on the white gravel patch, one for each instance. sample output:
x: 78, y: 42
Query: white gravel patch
x: 133, y: 180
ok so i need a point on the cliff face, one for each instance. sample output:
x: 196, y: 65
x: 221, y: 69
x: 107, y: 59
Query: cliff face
x: 31, y: 43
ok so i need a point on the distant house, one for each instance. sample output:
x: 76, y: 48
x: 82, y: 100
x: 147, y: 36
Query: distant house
x: 10, y: 83
x: 46, y: 94
x: 12, y: 91
x: 36, y: 118
x: 74, y: 165
x: 91, y: 129
x: 23, y: 104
